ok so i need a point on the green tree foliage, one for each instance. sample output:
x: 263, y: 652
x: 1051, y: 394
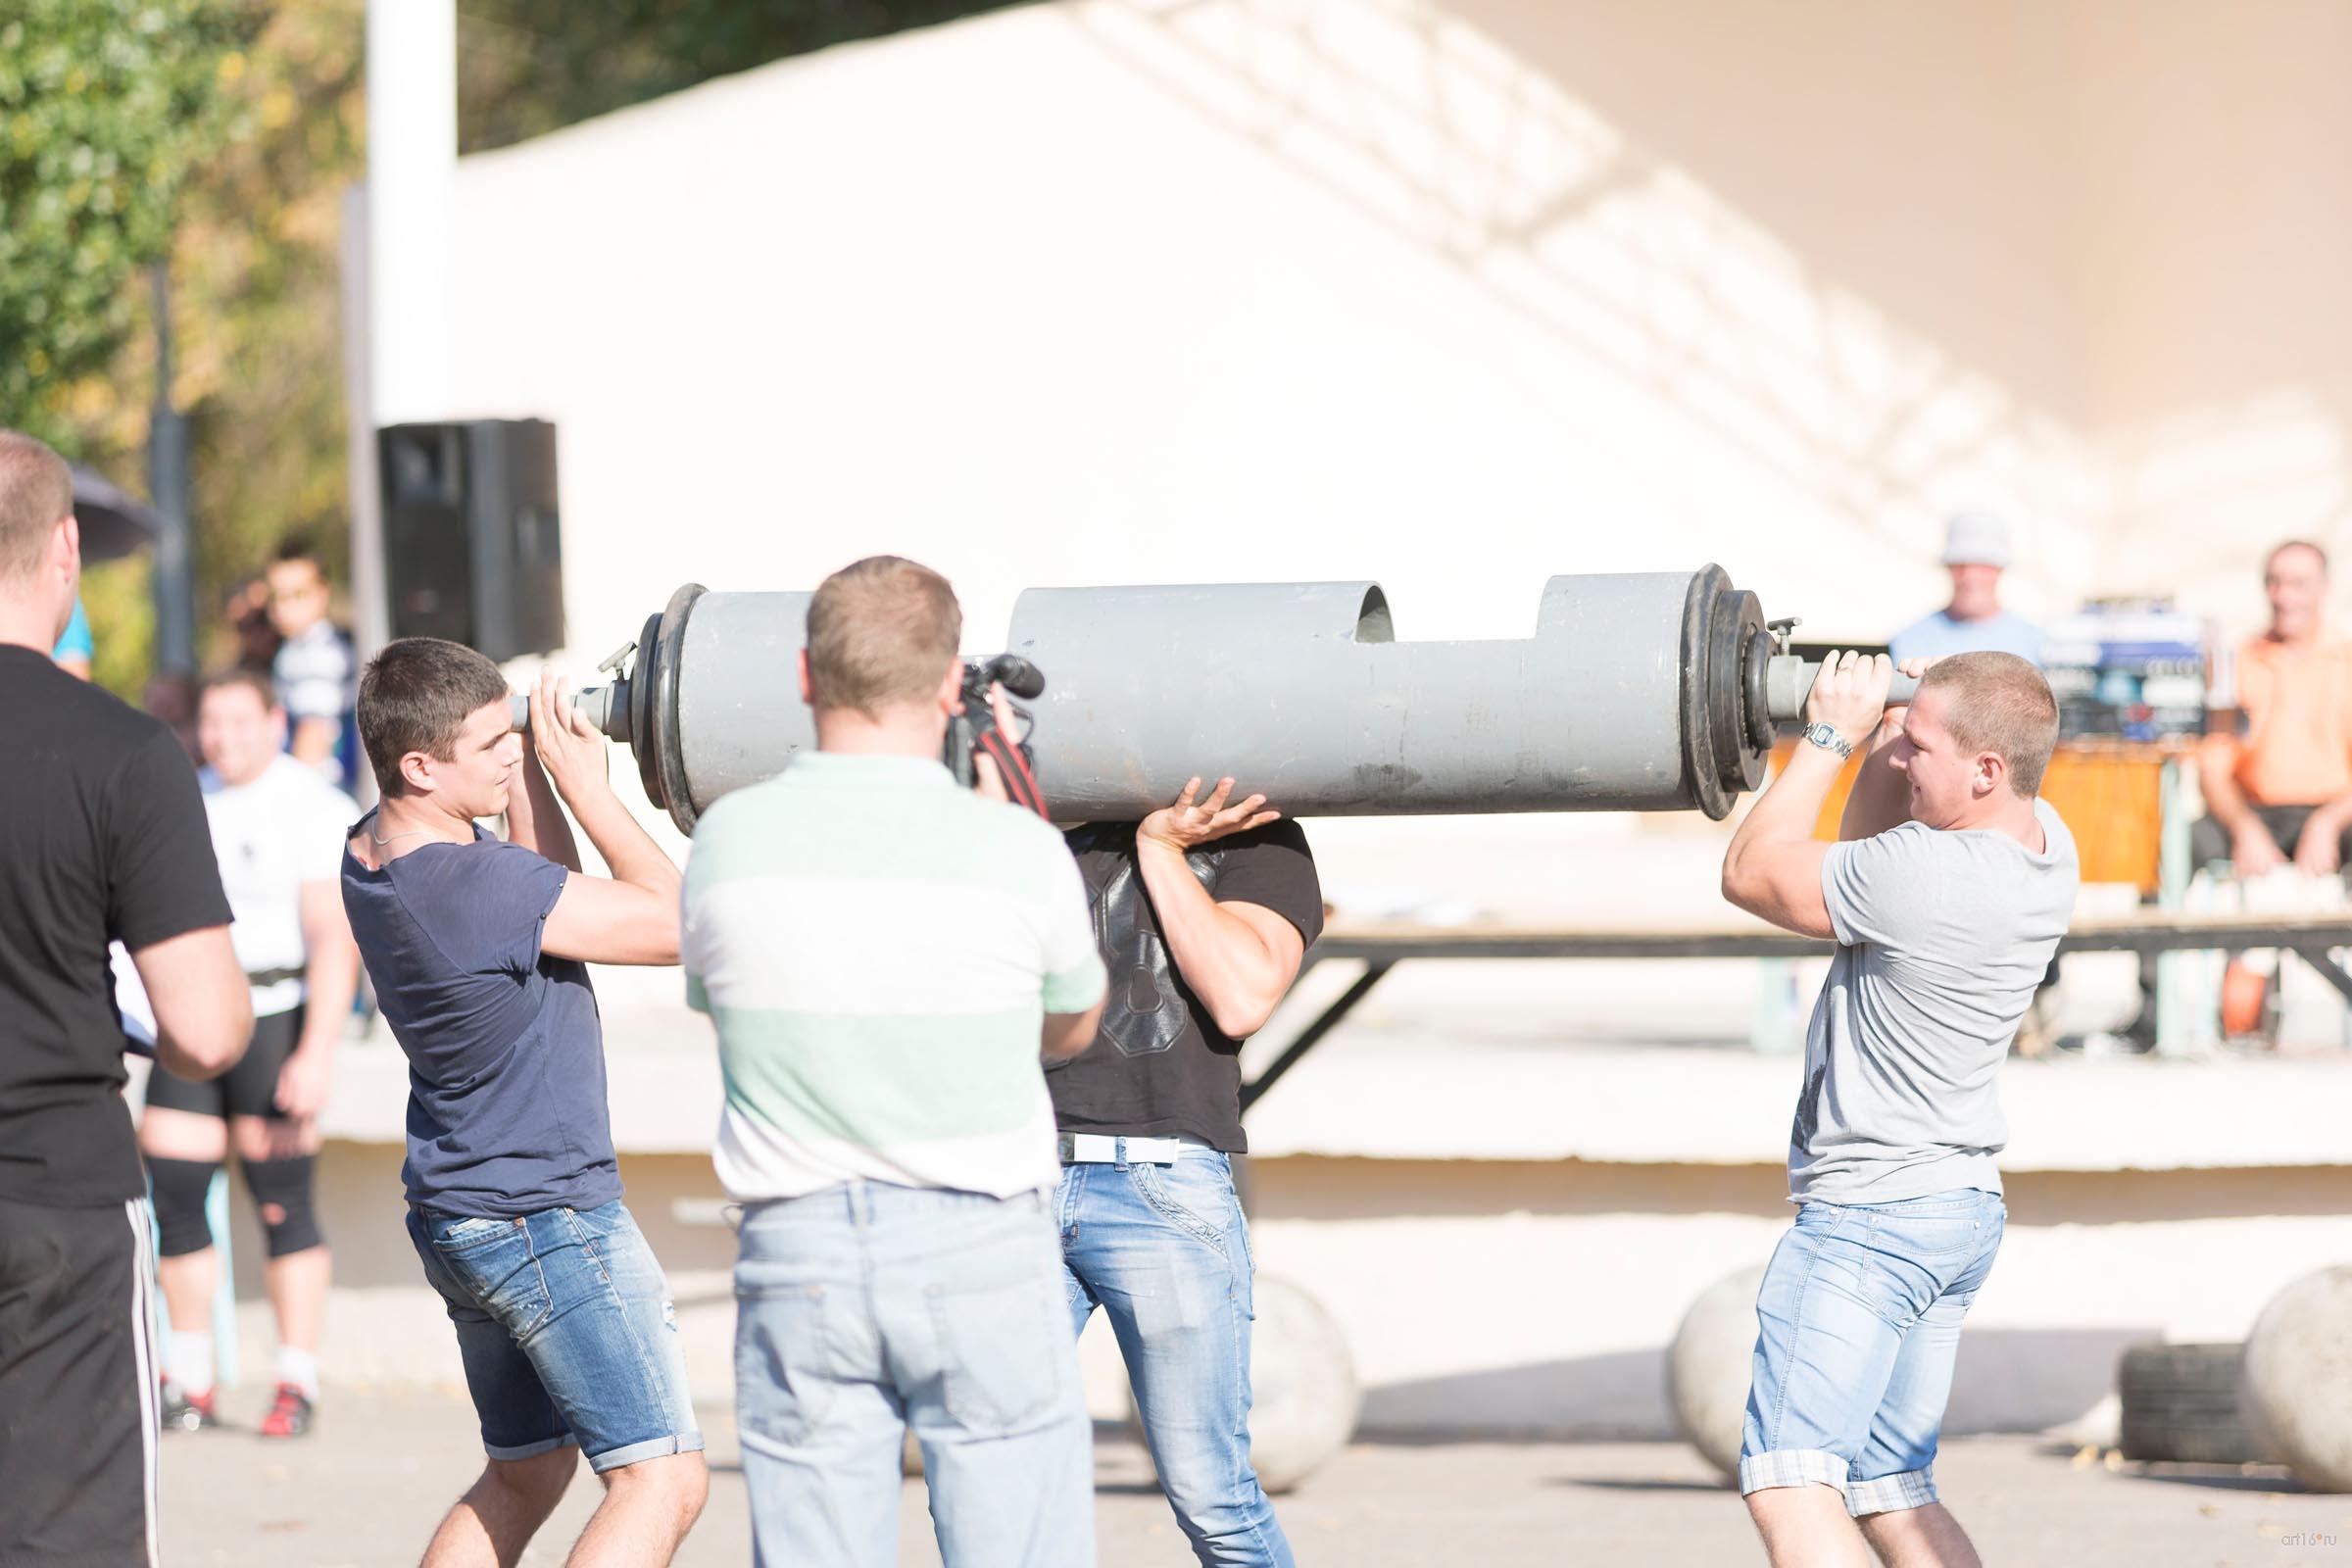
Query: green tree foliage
x: 246, y: 124
x: 257, y: 271
x: 106, y: 106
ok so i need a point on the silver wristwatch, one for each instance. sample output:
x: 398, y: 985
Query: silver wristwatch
x: 1826, y: 736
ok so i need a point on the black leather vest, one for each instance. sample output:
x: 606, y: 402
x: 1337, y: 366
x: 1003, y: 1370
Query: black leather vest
x: 1148, y: 1006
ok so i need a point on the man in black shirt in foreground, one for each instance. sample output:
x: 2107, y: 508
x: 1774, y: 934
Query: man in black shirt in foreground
x: 102, y: 838
x: 1203, y: 911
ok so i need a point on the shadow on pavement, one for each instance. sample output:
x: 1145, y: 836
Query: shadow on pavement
x: 2222, y: 1477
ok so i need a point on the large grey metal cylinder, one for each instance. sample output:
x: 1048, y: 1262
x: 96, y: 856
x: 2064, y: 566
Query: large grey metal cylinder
x: 1301, y: 692
x: 1635, y: 692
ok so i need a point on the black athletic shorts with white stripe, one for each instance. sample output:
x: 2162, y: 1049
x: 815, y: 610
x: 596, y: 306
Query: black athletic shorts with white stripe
x: 77, y: 1386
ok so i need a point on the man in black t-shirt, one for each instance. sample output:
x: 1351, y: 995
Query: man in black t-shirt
x: 1203, y: 911
x: 102, y: 838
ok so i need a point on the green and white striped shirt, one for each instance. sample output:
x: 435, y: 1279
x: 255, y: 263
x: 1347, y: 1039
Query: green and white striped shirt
x: 877, y: 948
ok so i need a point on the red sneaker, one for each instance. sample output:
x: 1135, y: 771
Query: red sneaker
x: 289, y: 1416
x: 187, y: 1412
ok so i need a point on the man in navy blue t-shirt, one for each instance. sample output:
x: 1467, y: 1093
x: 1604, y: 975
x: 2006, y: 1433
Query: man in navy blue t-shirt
x: 477, y: 950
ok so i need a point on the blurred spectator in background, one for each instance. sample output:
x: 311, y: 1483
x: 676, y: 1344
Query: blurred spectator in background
x: 316, y: 674
x: 1976, y: 551
x: 76, y: 647
x: 278, y: 831
x: 2283, y: 789
x: 171, y: 696
x: 257, y: 638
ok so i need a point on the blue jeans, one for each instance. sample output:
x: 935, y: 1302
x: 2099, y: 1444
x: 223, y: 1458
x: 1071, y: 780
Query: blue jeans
x: 1163, y: 1249
x: 567, y: 1331
x: 1859, y: 1318
x: 864, y: 1310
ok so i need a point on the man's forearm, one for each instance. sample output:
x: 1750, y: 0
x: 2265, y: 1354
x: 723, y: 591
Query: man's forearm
x: 313, y: 740
x: 1881, y: 797
x: 330, y: 980
x: 1790, y: 809
x: 1220, y: 956
x: 2332, y: 816
x: 629, y: 851
x: 2224, y: 802
x: 535, y: 820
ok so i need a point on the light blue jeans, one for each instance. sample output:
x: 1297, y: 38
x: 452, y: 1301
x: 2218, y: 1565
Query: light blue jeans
x: 1163, y: 1251
x: 868, y: 1309
x: 1858, y: 1319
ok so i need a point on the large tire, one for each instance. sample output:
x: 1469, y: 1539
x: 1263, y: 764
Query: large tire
x: 2181, y: 1404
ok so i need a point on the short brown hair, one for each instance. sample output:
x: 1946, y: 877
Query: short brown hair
x: 416, y: 697
x: 881, y: 631
x: 1999, y: 702
x: 253, y: 680
x: 2284, y: 545
x: 36, y: 494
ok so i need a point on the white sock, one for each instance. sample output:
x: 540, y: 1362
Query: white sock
x: 300, y: 1368
x: 188, y: 1361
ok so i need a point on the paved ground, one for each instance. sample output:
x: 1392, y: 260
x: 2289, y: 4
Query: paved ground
x: 367, y: 1488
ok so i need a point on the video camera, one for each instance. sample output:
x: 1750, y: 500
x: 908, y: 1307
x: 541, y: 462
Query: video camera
x: 973, y: 732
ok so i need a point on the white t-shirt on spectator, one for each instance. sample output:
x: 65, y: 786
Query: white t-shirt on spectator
x: 270, y: 836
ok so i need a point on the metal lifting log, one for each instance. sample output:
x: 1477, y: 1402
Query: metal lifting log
x: 1645, y: 692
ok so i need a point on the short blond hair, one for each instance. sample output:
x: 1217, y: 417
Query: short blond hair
x: 882, y: 632
x: 36, y: 494
x: 1999, y: 702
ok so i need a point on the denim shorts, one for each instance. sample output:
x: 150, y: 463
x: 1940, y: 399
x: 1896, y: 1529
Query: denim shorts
x: 1858, y: 1319
x: 567, y: 1331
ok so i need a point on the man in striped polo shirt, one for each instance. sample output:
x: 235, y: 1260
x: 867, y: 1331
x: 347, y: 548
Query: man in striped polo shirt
x: 885, y: 955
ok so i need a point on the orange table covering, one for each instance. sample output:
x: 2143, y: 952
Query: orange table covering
x: 2109, y: 793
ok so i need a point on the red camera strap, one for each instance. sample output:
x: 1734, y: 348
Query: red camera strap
x: 1019, y: 783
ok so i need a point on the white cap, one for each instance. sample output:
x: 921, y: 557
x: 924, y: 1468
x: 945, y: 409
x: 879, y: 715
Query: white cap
x: 1975, y: 538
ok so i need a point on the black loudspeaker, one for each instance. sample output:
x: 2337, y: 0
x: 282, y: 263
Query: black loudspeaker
x: 474, y: 544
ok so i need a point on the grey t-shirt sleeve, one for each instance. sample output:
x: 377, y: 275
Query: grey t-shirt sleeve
x: 1880, y: 889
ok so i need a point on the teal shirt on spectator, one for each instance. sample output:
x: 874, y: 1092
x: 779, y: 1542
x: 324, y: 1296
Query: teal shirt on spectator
x: 76, y: 643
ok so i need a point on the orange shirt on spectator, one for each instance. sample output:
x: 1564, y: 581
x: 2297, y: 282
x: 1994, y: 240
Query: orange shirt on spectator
x: 2297, y: 745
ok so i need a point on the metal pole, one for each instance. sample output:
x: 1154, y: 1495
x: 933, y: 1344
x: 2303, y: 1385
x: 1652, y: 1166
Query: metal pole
x: 412, y: 200
x: 371, y: 613
x: 174, y: 575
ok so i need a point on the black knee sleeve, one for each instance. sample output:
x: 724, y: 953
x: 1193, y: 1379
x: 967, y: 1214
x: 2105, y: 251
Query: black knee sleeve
x: 284, y: 1186
x: 180, y: 1187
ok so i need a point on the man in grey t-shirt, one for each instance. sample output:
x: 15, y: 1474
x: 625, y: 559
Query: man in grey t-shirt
x: 1948, y: 893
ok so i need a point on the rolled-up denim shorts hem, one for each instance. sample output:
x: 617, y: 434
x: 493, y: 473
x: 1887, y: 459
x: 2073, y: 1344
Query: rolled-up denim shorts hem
x: 1792, y: 1467
x: 1909, y: 1488
x: 528, y: 1450
x: 649, y: 1448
